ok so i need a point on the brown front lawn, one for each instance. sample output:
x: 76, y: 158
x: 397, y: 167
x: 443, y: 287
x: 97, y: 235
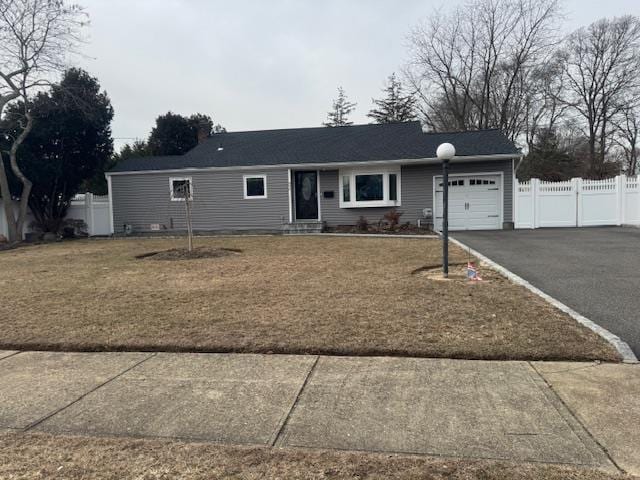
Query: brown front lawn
x: 325, y: 295
x: 37, y: 456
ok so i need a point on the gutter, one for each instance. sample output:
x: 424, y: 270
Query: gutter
x: 326, y: 166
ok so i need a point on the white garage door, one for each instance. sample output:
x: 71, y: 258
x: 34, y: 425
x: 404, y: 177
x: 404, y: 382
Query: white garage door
x: 474, y: 202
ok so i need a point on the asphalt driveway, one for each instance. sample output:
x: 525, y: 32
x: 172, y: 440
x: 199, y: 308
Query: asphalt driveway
x: 595, y: 271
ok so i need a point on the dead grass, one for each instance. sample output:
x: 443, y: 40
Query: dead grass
x: 37, y: 456
x: 324, y: 295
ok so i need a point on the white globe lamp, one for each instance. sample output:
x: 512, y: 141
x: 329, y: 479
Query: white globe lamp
x: 445, y: 151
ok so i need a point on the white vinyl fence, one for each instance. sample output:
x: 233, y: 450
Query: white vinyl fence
x: 92, y: 209
x: 578, y: 202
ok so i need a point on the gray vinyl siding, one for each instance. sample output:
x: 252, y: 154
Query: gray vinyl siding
x: 416, y: 192
x: 218, y: 201
x: 143, y: 199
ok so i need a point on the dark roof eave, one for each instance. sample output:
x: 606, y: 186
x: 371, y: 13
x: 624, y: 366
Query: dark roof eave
x: 324, y: 165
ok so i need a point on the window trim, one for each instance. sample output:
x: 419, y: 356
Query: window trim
x: 385, y: 202
x: 180, y: 179
x: 244, y: 187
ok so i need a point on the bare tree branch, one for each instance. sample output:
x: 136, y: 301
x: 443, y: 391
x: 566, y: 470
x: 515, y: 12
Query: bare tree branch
x: 36, y: 39
x: 473, y: 68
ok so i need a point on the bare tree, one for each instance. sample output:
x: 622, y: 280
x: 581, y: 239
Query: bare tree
x: 545, y: 107
x: 469, y: 68
x: 603, y: 61
x: 627, y: 138
x: 36, y: 36
x: 442, y: 70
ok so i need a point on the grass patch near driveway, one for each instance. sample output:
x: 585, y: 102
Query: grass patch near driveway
x: 36, y: 456
x: 306, y: 294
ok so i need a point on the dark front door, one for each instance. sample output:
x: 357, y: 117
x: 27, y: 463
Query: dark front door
x: 306, y: 195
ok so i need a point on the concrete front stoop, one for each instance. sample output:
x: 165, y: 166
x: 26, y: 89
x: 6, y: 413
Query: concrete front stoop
x: 303, y: 227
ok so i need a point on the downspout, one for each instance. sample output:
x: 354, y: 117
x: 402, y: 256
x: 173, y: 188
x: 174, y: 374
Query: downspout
x: 514, y: 190
x: 515, y: 170
x: 110, y: 193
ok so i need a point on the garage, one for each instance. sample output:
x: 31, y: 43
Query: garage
x: 475, y: 202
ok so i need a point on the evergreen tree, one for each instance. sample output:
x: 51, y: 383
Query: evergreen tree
x: 396, y: 106
x: 550, y: 160
x: 173, y: 134
x: 70, y: 142
x: 98, y: 183
x: 342, y: 108
x: 176, y: 134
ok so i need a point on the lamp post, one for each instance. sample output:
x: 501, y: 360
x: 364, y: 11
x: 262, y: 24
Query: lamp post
x: 445, y: 152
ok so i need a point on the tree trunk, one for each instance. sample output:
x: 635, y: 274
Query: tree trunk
x: 189, y: 224
x: 8, y: 205
x: 5, y: 192
x: 603, y: 145
x: 26, y: 183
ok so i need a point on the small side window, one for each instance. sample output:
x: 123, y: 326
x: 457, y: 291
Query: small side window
x: 255, y: 186
x: 180, y: 189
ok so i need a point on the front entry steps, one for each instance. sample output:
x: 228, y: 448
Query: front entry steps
x: 311, y: 226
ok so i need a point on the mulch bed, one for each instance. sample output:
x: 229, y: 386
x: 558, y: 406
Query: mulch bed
x: 403, y: 229
x: 185, y: 254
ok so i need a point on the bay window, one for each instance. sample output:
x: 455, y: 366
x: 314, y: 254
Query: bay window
x: 393, y: 186
x: 369, y: 188
x: 346, y: 189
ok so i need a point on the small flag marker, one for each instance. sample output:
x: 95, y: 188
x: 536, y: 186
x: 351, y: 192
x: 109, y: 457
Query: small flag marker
x: 472, y: 272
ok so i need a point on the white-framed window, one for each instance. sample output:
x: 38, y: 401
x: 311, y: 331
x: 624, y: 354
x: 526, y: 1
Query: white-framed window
x: 255, y: 186
x: 454, y: 183
x: 369, y: 188
x: 180, y: 188
x: 481, y: 181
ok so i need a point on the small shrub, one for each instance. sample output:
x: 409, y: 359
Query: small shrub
x: 74, y: 228
x: 362, y: 224
x: 393, y: 218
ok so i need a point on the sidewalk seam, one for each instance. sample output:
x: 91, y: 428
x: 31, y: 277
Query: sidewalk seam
x: 576, y: 418
x: 620, y: 345
x: 11, y: 355
x: 276, y: 436
x: 47, y: 417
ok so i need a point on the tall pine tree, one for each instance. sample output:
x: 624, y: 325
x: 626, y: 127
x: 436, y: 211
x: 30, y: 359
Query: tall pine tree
x: 342, y: 108
x: 396, y: 106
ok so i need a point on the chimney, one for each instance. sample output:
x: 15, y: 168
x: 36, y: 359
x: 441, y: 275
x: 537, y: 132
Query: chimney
x: 203, y: 132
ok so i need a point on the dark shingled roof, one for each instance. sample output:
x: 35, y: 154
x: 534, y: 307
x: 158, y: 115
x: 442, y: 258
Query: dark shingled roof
x: 358, y: 143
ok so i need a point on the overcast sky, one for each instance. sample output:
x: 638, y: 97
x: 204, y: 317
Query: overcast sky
x: 258, y: 64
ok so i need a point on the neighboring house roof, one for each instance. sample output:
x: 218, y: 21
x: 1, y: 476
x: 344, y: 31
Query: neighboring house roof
x: 357, y: 143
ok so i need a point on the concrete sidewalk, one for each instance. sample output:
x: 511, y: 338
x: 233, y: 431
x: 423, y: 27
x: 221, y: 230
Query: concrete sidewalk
x: 568, y: 413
